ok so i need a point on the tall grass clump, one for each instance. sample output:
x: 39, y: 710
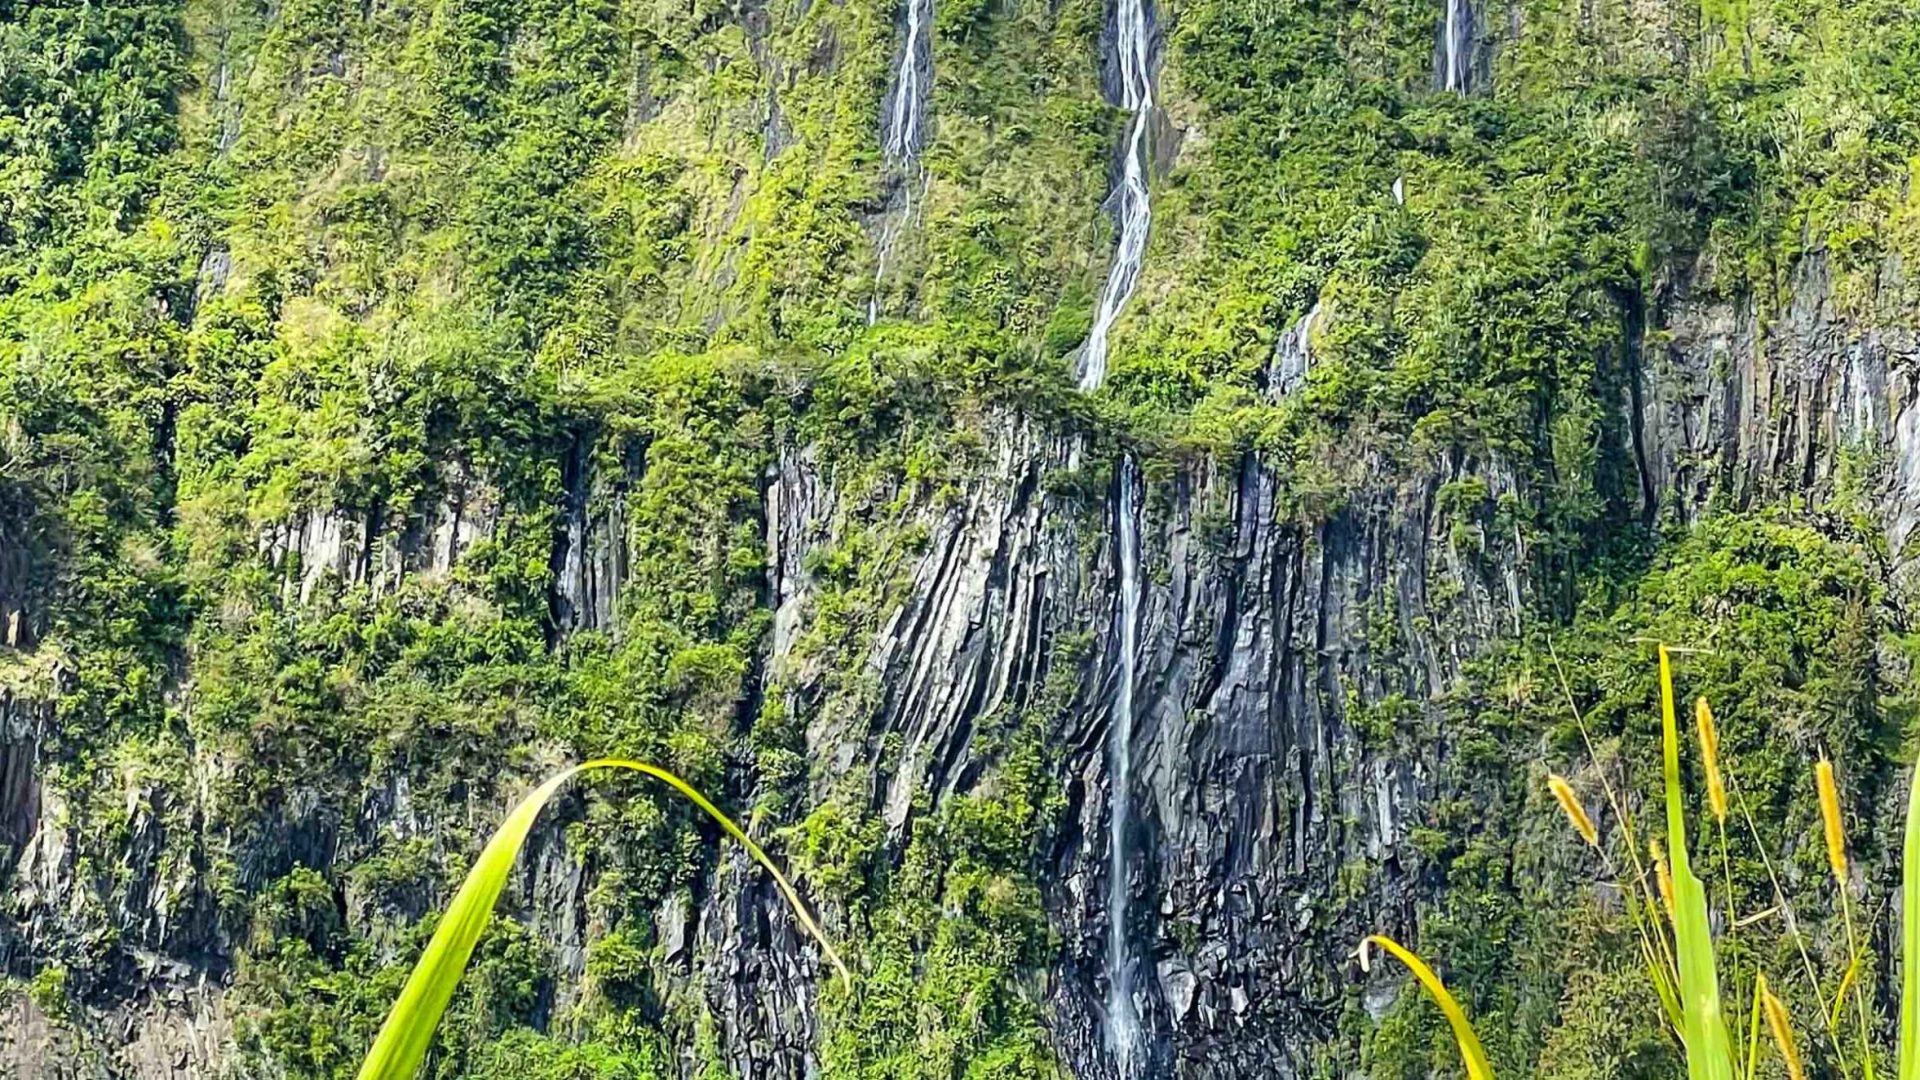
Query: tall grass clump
x: 1668, y: 905
x: 1701, y: 1026
x: 403, y: 1040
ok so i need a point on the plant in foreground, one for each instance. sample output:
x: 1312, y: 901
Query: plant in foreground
x: 1471, y: 1052
x: 1685, y: 975
x: 1780, y: 1026
x: 1910, y: 939
x: 1836, y: 837
x: 1703, y: 1027
x: 408, y: 1031
x: 1701, y: 1023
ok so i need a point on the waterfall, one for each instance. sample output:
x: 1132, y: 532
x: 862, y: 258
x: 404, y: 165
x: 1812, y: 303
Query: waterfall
x: 904, y: 118
x: 1459, y: 26
x: 1134, y: 214
x: 1123, y: 1019
x: 903, y: 134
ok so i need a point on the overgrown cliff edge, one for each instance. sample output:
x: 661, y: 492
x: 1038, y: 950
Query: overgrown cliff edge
x: 1097, y: 488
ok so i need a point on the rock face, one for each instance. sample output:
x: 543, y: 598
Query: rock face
x: 590, y: 560
x: 333, y: 548
x: 22, y: 721
x: 1255, y: 786
x: 1787, y: 407
x: 179, y: 1034
x: 166, y: 1019
x: 1279, y: 666
x: 1251, y: 789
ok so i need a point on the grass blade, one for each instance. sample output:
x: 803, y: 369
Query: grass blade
x: 408, y: 1031
x: 1662, y: 980
x: 1471, y: 1052
x: 1910, y: 938
x: 1703, y: 1026
x: 1833, y: 825
x: 1840, y: 995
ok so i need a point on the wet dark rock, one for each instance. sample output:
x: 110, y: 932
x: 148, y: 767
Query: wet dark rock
x: 1253, y: 788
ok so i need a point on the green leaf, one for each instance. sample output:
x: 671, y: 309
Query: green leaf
x: 1703, y: 1026
x: 1471, y: 1052
x: 404, y: 1038
x: 1910, y: 938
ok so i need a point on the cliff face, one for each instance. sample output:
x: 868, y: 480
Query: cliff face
x: 1763, y: 407
x: 466, y: 390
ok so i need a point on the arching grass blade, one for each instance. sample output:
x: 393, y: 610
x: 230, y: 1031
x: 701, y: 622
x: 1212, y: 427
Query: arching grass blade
x: 408, y: 1032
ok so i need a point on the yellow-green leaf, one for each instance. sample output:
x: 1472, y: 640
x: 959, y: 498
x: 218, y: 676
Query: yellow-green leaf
x: 405, y: 1037
x: 1703, y: 1028
x: 1471, y: 1052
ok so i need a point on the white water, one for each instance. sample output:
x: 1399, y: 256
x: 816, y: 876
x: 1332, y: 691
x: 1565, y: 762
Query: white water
x: 903, y: 128
x: 905, y: 121
x: 1136, y: 95
x: 1123, y: 1019
x: 889, y: 232
x: 1135, y: 216
x: 1456, y: 27
x: 1293, y: 356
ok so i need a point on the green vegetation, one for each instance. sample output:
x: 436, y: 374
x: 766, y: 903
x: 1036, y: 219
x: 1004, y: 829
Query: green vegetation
x: 1909, y: 1056
x: 1472, y: 1054
x: 1801, y: 652
x: 321, y: 321
x: 1688, y: 963
x: 1703, y: 1024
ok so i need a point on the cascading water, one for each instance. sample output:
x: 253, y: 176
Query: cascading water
x: 1459, y: 26
x: 907, y: 110
x: 1135, y: 214
x: 1123, y: 1018
x: 1292, y: 356
x: 903, y: 134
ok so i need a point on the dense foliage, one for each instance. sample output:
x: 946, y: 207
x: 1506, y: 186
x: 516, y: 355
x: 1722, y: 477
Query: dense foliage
x: 382, y: 282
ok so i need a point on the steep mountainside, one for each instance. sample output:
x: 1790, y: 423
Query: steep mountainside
x: 1123, y: 498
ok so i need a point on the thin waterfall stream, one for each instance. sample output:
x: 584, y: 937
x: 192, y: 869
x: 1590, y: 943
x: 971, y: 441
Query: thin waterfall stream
x: 1123, y: 1017
x: 1459, y: 24
x: 903, y: 134
x: 1134, y: 213
x: 903, y: 118
x: 1135, y: 216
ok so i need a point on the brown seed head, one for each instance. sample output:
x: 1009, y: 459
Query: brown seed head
x: 1782, y: 1029
x: 1830, y: 816
x: 1582, y: 824
x: 1710, y: 753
